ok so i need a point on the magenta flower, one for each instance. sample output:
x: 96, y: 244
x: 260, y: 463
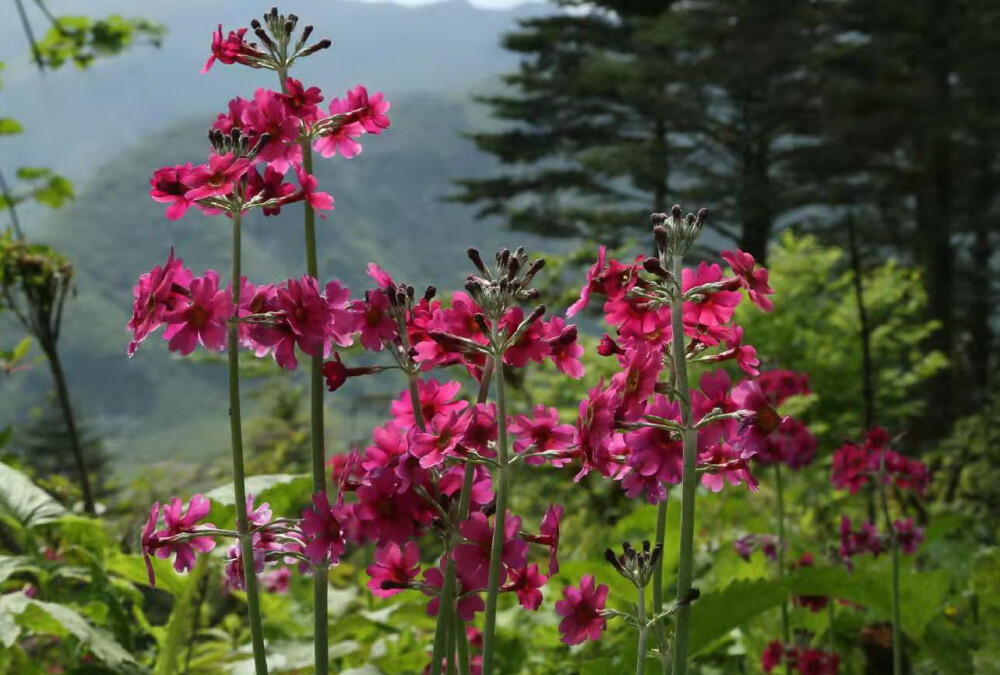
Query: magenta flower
x: 372, y: 110
x: 472, y: 558
x: 390, y: 442
x: 754, y: 429
x: 341, y: 139
x: 599, y: 446
x: 542, y: 433
x: 324, y: 534
x: 299, y: 101
x: 271, y: 186
x: 716, y: 308
x: 755, y: 281
x: 715, y: 394
x: 277, y: 581
x: 230, y: 49
x: 158, y: 292
x: 319, y: 201
x: 395, y: 567
x: 531, y: 346
x: 374, y: 320
x: 726, y: 465
x: 791, y: 444
x: 636, y: 384
x: 179, y: 521
x: 435, y: 399
x: 772, y: 656
x: 268, y: 115
x: 203, y: 320
x: 467, y: 606
x: 656, y: 455
x: 564, y: 350
x: 549, y: 535
x: 780, y: 385
x: 385, y: 513
x: 908, y: 536
x: 582, y: 610
x: 442, y: 439
x: 525, y: 582
x: 745, y: 546
x: 217, y: 178
x: 170, y: 185
x: 592, y: 275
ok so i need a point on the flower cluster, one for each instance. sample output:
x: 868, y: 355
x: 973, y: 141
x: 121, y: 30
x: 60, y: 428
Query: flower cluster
x: 866, y: 539
x: 748, y: 543
x: 628, y: 428
x: 182, y: 535
x: 806, y: 661
x: 854, y: 465
x: 791, y: 444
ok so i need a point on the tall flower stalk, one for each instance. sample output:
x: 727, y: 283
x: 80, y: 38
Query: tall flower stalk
x: 897, y: 621
x: 239, y: 487
x: 780, y: 496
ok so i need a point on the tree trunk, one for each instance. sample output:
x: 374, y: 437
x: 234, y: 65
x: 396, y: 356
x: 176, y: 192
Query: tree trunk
x: 62, y: 393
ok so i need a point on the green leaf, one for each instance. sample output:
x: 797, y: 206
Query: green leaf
x: 715, y: 614
x: 21, y: 350
x: 33, y: 172
x: 10, y: 126
x: 11, y: 564
x: 180, y: 627
x: 133, y: 568
x: 20, y: 613
x: 255, y: 485
x: 25, y: 502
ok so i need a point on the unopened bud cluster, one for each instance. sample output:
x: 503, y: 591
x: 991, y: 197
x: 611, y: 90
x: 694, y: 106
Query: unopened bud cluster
x: 636, y: 566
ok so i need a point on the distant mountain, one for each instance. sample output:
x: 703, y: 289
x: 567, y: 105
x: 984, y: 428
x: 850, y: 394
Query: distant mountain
x: 151, y: 108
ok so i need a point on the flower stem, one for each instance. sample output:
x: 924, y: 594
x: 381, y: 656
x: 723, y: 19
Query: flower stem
x: 496, y: 551
x: 689, y: 437
x: 779, y: 487
x: 463, y: 645
x: 640, y: 658
x: 897, y: 621
x: 464, y: 500
x: 661, y: 530
x: 239, y: 489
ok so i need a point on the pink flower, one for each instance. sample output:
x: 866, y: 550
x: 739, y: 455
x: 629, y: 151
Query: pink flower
x: 482, y: 429
x: 442, y: 439
x: 714, y: 309
x: 268, y: 115
x: 754, y: 429
x: 277, y: 581
x: 525, y: 582
x: 435, y: 399
x: 715, y: 394
x: 726, y: 465
x: 636, y: 384
x: 178, y: 521
x: 745, y: 545
x: 231, y: 49
x: 473, y: 556
x: 549, y: 535
x: 395, y: 567
x: 772, y: 656
x: 202, y: 320
x: 780, y: 385
x: 817, y: 662
x: 542, y: 433
x: 372, y: 110
x: 217, y: 178
x: 592, y: 274
x: 385, y: 513
x: 656, y: 455
x: 341, y: 138
x: 158, y: 292
x: 318, y: 201
x: 170, y: 185
x: 564, y: 350
x: 270, y: 186
x: 390, y: 442
x: 908, y: 536
x: 582, y: 611
x: 755, y: 281
x: 531, y: 346
x: 599, y: 446
x: 374, y: 320
x: 850, y: 468
x: 467, y: 606
x: 299, y: 101
x: 324, y: 535
x: 745, y: 355
x: 792, y: 444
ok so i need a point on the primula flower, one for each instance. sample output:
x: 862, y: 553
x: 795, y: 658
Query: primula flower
x: 268, y: 115
x: 745, y: 355
x: 442, y: 438
x: 158, y: 292
x: 203, y: 320
x: 374, y: 320
x: 323, y: 532
x: 390, y: 442
x: 318, y: 201
x: 772, y: 656
x: 395, y: 567
x: 549, y: 535
x: 715, y: 394
x: 715, y: 308
x: 792, y: 444
x: 271, y: 186
x: 276, y: 581
x: 656, y: 455
x: 435, y: 399
x: 217, y: 178
x: 817, y: 662
x: 372, y: 109
x: 745, y: 546
x: 780, y: 385
x: 482, y: 430
x: 908, y: 536
x: 564, y: 350
x: 341, y: 138
x: 599, y: 446
x: 230, y: 49
x: 531, y: 346
x: 384, y: 513
x: 472, y: 558
x: 170, y: 185
x: 468, y: 605
x: 299, y: 101
x: 814, y: 603
x: 636, y: 384
x: 525, y: 582
x: 753, y: 429
x: 582, y: 610
x: 588, y: 287
x: 754, y: 281
x: 726, y: 466
x: 178, y: 520
x: 542, y: 433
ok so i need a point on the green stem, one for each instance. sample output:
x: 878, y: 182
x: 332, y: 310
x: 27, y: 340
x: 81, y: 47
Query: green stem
x: 832, y: 634
x: 897, y: 621
x: 451, y: 665
x: 689, y: 437
x: 781, y: 546
x: 640, y: 658
x: 463, y: 645
x: 496, y: 551
x: 239, y: 488
x: 661, y: 530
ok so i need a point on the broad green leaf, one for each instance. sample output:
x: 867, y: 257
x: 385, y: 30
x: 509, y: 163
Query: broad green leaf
x: 20, y: 613
x: 715, y: 614
x: 133, y: 568
x: 255, y: 485
x: 33, y: 172
x: 180, y: 627
x: 10, y: 564
x: 25, y: 502
x: 21, y: 350
x: 10, y: 126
